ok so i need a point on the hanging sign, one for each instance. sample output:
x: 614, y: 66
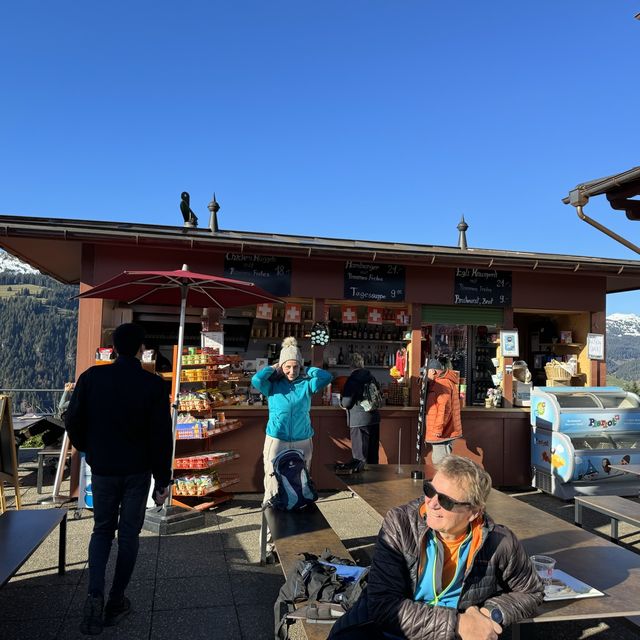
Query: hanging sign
x: 374, y: 281
x: 264, y: 311
x: 482, y: 287
x: 595, y: 346
x: 374, y: 315
x: 271, y: 273
x: 292, y: 312
x: 349, y: 315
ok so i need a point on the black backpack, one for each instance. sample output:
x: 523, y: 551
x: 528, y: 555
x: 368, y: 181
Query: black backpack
x: 295, y: 486
x: 371, y: 396
x: 324, y: 578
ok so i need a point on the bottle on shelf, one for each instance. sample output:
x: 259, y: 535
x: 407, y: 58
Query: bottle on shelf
x: 340, y: 357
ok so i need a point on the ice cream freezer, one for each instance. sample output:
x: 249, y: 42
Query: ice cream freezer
x: 577, y: 433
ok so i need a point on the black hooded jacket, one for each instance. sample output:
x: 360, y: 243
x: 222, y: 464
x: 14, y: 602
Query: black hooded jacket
x: 351, y: 396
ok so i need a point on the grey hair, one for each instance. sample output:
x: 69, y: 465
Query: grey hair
x: 476, y: 480
x: 357, y: 361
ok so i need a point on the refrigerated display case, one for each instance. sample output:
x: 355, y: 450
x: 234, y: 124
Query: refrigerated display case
x: 577, y: 433
x: 471, y: 350
x: 451, y: 340
x: 482, y: 351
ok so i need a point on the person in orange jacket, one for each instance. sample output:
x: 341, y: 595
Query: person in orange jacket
x: 443, y: 422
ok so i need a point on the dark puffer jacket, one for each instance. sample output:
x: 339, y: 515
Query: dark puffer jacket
x: 501, y: 574
x: 351, y: 396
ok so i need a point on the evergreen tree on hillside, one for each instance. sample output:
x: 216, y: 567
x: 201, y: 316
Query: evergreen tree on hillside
x: 37, y: 339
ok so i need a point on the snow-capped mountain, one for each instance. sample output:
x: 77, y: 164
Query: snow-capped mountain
x: 11, y: 264
x: 623, y: 324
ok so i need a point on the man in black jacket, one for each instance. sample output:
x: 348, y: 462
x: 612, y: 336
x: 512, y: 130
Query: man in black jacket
x: 119, y: 416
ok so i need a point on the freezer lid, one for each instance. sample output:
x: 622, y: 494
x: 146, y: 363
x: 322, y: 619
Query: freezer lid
x: 589, y: 441
x: 594, y: 398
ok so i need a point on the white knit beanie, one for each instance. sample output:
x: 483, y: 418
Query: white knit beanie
x: 290, y: 351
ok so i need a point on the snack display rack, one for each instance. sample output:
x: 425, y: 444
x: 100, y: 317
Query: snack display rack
x: 198, y: 484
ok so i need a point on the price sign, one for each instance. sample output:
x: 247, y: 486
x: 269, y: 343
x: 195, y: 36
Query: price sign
x: 372, y: 281
x: 270, y: 273
x: 482, y: 287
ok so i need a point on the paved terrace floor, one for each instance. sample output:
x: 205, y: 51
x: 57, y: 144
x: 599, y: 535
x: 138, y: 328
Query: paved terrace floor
x: 207, y: 584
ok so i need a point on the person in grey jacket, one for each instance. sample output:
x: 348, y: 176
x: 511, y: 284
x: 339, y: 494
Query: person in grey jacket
x: 364, y: 426
x: 442, y: 569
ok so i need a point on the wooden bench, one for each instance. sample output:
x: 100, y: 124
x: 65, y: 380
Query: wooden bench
x: 293, y: 533
x: 616, y: 507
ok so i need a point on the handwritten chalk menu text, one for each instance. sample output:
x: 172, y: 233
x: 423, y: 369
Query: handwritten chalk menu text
x: 373, y: 281
x: 482, y: 286
x: 268, y: 272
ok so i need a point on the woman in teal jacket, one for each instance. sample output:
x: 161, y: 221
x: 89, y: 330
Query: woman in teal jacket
x: 288, y: 391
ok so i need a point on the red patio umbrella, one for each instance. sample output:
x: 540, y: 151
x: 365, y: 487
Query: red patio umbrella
x: 179, y: 287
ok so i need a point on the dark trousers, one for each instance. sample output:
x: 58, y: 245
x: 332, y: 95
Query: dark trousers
x: 365, y: 442
x: 119, y: 503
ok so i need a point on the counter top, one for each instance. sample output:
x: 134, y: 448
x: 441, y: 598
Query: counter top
x: 386, y: 409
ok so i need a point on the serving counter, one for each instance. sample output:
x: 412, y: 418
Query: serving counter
x: 497, y: 438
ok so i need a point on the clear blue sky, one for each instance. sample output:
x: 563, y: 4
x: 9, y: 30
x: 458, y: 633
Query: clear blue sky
x: 380, y: 120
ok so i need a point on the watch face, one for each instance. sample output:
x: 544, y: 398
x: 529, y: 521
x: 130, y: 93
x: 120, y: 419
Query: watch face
x: 496, y: 615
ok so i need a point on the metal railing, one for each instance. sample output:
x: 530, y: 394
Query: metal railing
x: 27, y: 406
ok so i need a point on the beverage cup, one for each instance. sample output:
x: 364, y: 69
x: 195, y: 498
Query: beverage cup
x: 544, y: 566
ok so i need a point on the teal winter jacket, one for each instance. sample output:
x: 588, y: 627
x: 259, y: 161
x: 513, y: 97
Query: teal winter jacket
x: 290, y: 402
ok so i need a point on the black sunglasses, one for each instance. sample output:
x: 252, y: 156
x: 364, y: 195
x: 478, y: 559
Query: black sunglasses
x: 447, y: 503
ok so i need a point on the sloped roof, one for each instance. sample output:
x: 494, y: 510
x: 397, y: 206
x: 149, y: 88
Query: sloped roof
x: 54, y: 246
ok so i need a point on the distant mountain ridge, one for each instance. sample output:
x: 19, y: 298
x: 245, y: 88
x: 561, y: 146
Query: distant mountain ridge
x: 623, y: 346
x: 11, y: 264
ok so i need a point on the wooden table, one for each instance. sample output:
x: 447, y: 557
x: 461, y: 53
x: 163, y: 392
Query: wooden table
x: 22, y: 532
x: 627, y: 468
x: 606, y: 566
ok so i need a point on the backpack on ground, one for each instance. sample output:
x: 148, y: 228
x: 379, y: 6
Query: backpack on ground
x: 371, y: 396
x: 295, y: 486
x: 328, y: 579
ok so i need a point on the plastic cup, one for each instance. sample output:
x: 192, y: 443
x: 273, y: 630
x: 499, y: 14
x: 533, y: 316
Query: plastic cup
x: 544, y: 566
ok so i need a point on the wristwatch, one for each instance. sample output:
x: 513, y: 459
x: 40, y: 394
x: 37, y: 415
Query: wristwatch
x: 495, y: 613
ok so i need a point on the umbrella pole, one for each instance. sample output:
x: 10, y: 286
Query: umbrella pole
x: 173, y: 519
x: 176, y: 395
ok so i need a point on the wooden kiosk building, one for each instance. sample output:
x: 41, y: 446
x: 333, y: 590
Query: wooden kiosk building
x: 430, y: 298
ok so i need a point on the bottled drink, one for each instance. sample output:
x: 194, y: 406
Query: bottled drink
x: 340, y: 357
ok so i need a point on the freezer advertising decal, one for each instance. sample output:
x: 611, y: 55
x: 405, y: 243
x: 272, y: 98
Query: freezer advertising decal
x: 543, y: 413
x: 601, y: 421
x: 591, y: 467
x: 551, y: 454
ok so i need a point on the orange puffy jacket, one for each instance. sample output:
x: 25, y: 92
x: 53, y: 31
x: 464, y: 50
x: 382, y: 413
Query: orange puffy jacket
x: 443, y: 408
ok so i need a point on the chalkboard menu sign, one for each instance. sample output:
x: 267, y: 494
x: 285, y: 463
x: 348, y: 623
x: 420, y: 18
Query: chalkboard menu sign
x: 482, y: 287
x: 372, y: 281
x: 271, y: 273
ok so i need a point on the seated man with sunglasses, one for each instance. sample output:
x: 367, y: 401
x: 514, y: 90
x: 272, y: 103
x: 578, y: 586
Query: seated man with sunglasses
x: 442, y: 569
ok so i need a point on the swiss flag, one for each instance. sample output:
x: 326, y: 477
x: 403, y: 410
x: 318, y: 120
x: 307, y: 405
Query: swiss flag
x: 374, y: 315
x: 349, y: 315
x: 264, y: 311
x: 402, y: 318
x: 292, y: 312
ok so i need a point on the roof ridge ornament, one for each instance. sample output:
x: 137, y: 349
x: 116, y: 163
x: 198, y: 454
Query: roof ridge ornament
x: 462, y: 235
x: 213, y: 207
